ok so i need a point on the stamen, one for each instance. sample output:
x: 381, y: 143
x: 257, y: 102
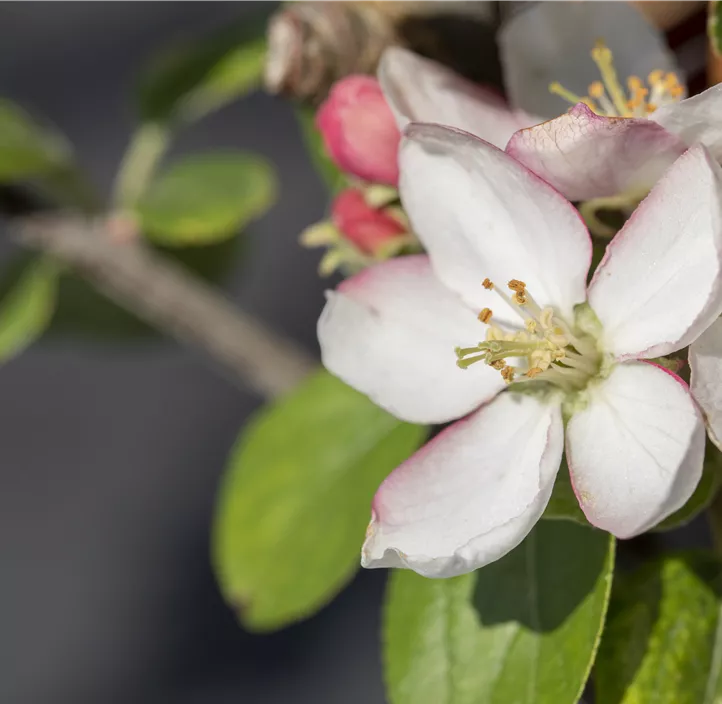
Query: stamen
x: 602, y: 57
x: 547, y: 348
x: 466, y: 363
x: 485, y: 315
x: 608, y: 96
x: 558, y: 89
x: 464, y: 351
x: 596, y: 89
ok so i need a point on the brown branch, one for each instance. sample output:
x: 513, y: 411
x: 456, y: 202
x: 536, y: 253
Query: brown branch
x: 170, y: 298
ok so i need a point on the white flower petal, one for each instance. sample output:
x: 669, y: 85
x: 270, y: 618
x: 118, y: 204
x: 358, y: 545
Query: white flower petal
x: 421, y: 90
x: 390, y: 332
x: 551, y: 41
x: 696, y: 119
x: 471, y: 494
x: 635, y: 453
x: 705, y: 361
x: 480, y: 213
x: 584, y: 155
x: 660, y: 282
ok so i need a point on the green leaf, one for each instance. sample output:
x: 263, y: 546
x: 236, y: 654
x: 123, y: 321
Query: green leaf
x: 663, y: 642
x: 193, y: 79
x: 714, y: 26
x: 27, y: 306
x: 297, y: 496
x: 332, y: 176
x: 563, y: 503
x: 704, y: 493
x: 26, y: 148
x: 523, y: 629
x: 206, y: 198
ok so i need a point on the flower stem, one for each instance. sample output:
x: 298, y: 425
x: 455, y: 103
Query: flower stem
x: 144, y: 152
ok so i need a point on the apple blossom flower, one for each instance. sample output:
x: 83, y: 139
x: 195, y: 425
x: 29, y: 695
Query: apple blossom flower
x: 548, y: 42
x: 560, y: 364
x: 542, y: 43
x: 365, y: 228
x: 616, y: 142
x: 359, y: 130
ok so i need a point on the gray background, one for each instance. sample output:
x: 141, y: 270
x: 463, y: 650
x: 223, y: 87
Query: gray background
x: 111, y: 452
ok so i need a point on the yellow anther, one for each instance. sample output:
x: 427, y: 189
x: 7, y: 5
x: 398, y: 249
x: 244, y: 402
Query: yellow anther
x: 602, y: 56
x: 486, y: 283
x: 485, y: 315
x: 634, y: 83
x: 531, y: 325
x: 519, y: 298
x: 516, y: 285
x: 596, y: 89
x: 499, y: 364
x: 655, y: 77
x: 507, y: 374
x: 534, y: 371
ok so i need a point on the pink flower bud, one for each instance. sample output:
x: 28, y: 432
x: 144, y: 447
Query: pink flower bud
x: 366, y: 227
x: 359, y: 130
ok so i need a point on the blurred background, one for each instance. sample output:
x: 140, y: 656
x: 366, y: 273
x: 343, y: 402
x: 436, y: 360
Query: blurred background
x: 112, y: 449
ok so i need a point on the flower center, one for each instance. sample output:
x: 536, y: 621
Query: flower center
x: 608, y: 97
x: 546, y: 349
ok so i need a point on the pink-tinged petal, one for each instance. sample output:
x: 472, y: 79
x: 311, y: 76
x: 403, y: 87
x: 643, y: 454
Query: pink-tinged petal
x: 659, y: 285
x: 390, y: 332
x: 479, y: 213
x: 421, y: 90
x: 551, y: 41
x: 585, y: 156
x: 705, y: 361
x: 635, y: 452
x: 471, y: 494
x: 696, y: 119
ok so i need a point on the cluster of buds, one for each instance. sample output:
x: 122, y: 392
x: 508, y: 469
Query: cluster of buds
x: 367, y: 224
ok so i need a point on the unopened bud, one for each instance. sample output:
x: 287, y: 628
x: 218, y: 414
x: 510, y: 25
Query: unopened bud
x: 359, y: 130
x: 367, y: 228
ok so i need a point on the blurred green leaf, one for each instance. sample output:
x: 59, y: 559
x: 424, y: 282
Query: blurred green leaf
x: 563, y: 503
x: 296, y: 499
x: 663, y: 641
x: 194, y: 78
x: 27, y: 305
x: 704, y: 493
x: 523, y: 629
x: 206, y: 198
x: 332, y: 176
x: 714, y: 26
x: 83, y: 311
x: 26, y: 148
